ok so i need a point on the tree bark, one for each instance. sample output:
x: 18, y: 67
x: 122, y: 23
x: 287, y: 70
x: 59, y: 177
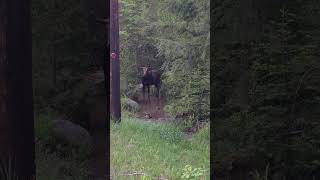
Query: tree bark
x: 100, y: 114
x: 16, y: 86
x: 4, y: 121
x: 115, y: 65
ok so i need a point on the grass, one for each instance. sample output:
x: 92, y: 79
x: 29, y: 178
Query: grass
x: 156, y: 150
x: 137, y: 148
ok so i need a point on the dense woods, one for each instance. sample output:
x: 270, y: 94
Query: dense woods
x: 68, y: 48
x: 70, y: 62
x: 69, y: 72
x: 172, y: 36
x: 264, y: 73
x: 265, y: 86
x: 166, y: 44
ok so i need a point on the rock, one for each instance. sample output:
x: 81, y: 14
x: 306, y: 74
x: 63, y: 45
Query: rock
x: 132, y: 105
x: 147, y: 116
x: 135, y: 92
x: 139, y: 86
x: 72, y: 133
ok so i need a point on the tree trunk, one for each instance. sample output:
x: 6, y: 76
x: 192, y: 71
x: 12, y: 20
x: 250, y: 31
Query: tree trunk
x: 16, y: 87
x: 98, y: 128
x: 4, y: 121
x: 115, y: 65
x: 99, y: 123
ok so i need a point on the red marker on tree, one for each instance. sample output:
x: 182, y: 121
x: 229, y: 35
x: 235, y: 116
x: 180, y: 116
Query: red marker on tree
x: 113, y: 56
x: 115, y: 64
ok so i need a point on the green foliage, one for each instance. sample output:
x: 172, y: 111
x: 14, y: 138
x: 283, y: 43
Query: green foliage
x: 172, y: 36
x: 43, y: 128
x: 55, y: 159
x: 265, y: 95
x: 61, y: 52
x: 188, y: 172
x: 194, y: 97
x: 145, y: 177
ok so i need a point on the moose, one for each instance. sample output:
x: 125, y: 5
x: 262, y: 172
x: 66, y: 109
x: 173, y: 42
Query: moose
x: 150, y: 77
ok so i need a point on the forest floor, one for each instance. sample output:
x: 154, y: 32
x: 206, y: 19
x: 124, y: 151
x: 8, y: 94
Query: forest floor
x: 151, y: 144
x: 153, y: 110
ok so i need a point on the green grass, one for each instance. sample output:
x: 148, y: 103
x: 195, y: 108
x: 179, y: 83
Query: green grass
x: 156, y: 149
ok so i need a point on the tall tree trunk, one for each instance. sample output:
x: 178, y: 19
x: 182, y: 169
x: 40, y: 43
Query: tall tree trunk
x: 4, y: 121
x: 100, y: 113
x: 16, y: 86
x: 115, y: 64
x: 98, y: 124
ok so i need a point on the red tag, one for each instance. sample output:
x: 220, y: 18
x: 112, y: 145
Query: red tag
x: 113, y: 56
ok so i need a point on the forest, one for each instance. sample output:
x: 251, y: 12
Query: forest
x: 265, y: 89
x: 166, y: 138
x: 238, y: 90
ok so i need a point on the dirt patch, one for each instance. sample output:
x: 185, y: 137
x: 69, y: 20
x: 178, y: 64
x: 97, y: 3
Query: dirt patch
x: 189, y: 131
x: 153, y: 110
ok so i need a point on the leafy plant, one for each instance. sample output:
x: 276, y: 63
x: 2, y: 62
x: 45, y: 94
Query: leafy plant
x: 188, y: 172
x: 145, y: 177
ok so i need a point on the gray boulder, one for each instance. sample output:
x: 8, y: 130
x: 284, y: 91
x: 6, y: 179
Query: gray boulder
x: 135, y: 92
x: 71, y: 133
x: 132, y: 105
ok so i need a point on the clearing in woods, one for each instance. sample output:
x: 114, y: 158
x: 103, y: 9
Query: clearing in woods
x: 153, y: 110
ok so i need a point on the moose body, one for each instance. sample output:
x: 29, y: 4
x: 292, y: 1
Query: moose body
x: 150, y: 77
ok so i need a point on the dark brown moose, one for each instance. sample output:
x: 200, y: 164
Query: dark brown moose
x: 150, y: 77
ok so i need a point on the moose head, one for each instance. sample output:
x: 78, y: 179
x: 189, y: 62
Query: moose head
x: 145, y: 69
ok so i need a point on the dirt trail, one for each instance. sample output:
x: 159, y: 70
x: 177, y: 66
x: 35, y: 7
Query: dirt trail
x: 153, y: 110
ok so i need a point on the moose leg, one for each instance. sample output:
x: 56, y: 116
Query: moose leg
x: 144, y: 92
x: 158, y: 93
x: 149, y: 93
x: 158, y: 89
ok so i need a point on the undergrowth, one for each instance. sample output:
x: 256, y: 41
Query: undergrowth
x: 55, y: 160
x: 148, y: 149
